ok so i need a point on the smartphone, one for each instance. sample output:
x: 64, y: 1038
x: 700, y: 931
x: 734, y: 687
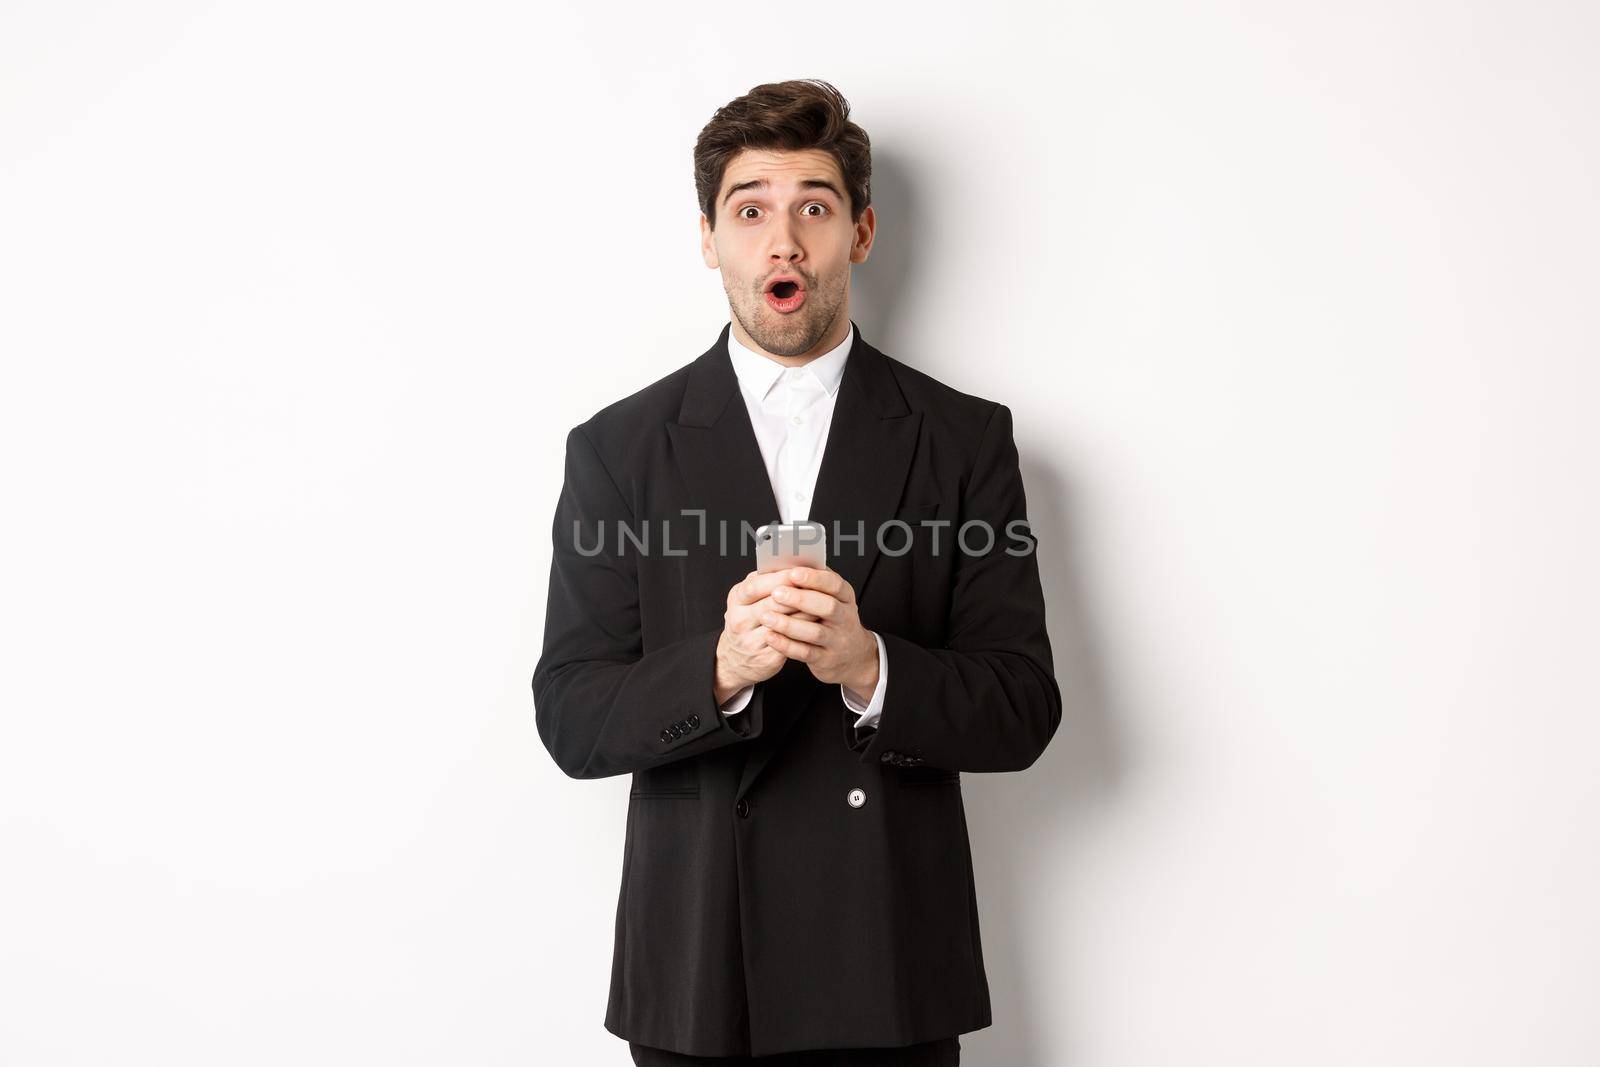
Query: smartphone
x: 791, y: 544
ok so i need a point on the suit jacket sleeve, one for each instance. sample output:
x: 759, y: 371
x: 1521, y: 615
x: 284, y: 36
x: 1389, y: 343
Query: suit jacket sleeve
x: 987, y: 700
x: 603, y: 705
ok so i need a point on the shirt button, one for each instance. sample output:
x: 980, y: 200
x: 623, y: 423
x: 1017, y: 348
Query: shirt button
x: 797, y: 420
x: 856, y: 798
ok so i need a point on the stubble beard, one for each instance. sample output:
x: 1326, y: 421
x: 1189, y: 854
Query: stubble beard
x: 788, y: 335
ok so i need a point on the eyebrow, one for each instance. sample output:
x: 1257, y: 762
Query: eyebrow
x: 805, y: 183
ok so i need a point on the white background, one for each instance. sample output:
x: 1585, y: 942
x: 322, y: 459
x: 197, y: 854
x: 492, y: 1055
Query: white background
x: 1295, y: 308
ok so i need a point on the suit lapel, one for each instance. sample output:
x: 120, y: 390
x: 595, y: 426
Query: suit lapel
x: 715, y: 446
x: 863, y: 476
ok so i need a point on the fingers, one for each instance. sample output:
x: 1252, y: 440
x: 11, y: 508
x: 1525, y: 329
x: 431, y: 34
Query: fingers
x: 791, y: 648
x: 811, y: 601
x: 760, y: 607
x: 755, y: 586
x: 766, y: 603
x: 744, y: 618
x: 811, y: 633
x: 822, y: 580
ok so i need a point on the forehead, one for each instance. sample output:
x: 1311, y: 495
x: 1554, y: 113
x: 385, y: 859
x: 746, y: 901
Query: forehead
x: 781, y: 167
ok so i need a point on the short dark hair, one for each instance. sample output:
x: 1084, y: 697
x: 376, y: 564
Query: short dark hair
x: 791, y: 115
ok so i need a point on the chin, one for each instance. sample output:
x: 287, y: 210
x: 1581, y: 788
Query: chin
x: 785, y: 335
x: 788, y: 339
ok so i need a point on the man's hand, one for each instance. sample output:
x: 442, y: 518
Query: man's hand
x: 825, y: 632
x: 744, y: 656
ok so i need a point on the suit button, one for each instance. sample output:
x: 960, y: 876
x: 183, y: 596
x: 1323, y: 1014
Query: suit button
x: 743, y: 808
x: 665, y: 736
x: 683, y: 724
x: 694, y: 720
x: 887, y: 757
x: 856, y: 797
x: 677, y: 731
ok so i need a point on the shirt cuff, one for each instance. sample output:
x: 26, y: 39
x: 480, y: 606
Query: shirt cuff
x: 868, y: 716
x: 737, y: 702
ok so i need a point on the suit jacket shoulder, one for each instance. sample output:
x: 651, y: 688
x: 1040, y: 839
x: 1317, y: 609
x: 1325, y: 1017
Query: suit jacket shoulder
x: 947, y: 412
x: 626, y: 432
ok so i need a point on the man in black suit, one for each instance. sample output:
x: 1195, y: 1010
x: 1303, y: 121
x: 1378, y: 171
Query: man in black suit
x: 797, y: 881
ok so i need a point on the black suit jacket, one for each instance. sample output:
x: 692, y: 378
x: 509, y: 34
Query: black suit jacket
x: 760, y: 910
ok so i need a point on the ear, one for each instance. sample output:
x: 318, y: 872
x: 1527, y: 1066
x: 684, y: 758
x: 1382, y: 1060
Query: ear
x: 708, y: 243
x: 866, y: 230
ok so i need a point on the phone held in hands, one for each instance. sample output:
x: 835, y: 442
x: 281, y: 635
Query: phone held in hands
x: 791, y: 544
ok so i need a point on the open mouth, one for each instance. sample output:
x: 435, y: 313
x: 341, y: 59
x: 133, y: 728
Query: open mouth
x: 785, y: 297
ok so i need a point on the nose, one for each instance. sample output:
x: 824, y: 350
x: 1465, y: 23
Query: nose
x: 785, y: 246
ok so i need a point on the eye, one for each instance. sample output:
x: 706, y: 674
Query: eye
x: 747, y: 207
x: 817, y: 203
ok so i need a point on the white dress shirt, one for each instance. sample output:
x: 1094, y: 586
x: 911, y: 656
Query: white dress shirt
x: 790, y: 410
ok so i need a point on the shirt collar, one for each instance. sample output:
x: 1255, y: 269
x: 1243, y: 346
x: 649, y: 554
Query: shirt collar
x: 758, y: 374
